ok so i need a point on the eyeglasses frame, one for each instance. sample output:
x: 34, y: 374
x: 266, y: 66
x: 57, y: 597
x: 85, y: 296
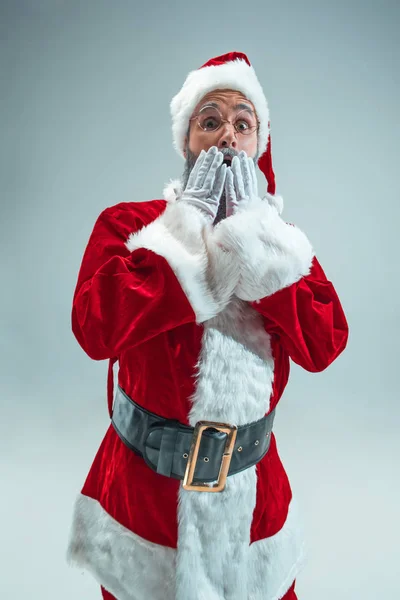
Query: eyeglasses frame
x: 223, y: 121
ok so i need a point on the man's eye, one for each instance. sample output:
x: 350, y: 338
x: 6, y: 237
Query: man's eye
x: 242, y: 125
x: 210, y: 123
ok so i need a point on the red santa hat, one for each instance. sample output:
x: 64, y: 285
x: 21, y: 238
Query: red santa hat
x: 229, y: 71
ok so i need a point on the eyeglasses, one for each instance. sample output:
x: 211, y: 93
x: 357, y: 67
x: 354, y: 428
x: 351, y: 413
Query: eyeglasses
x: 210, y: 119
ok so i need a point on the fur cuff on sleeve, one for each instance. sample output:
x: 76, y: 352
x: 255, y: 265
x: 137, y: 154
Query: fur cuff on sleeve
x: 272, y: 254
x: 181, y: 234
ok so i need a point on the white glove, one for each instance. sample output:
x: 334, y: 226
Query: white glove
x: 240, y: 184
x: 206, y: 183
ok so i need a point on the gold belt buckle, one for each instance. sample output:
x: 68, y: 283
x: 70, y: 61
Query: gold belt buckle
x: 199, y: 428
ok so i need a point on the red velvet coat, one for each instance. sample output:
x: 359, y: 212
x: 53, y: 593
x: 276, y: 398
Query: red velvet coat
x: 203, y: 321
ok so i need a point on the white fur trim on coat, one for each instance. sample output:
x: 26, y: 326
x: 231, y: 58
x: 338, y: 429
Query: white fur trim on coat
x: 125, y: 564
x: 173, y: 190
x: 181, y: 235
x: 132, y: 568
x: 234, y: 376
x: 234, y: 75
x: 272, y: 254
x: 277, y: 561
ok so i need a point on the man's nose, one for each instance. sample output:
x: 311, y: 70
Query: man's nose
x: 228, y: 137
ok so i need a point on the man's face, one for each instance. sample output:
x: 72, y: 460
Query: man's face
x: 229, y: 103
x: 239, y: 111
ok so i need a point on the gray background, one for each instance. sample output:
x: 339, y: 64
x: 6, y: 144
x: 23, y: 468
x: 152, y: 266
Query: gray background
x: 86, y: 88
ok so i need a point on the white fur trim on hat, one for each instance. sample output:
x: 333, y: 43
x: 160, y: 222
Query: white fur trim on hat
x: 235, y: 75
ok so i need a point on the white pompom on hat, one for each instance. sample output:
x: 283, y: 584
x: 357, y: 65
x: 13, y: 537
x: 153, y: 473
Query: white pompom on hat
x: 229, y: 71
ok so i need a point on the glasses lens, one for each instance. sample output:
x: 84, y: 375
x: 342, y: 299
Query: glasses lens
x: 209, y: 118
x: 245, y: 122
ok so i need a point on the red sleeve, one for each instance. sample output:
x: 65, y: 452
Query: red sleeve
x: 124, y: 298
x: 308, y: 319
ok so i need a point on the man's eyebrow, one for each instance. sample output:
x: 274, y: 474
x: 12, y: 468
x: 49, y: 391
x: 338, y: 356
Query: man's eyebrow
x: 244, y: 107
x: 239, y: 106
x: 213, y: 104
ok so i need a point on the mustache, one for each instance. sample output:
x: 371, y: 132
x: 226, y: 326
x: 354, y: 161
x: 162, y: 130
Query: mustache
x: 229, y: 152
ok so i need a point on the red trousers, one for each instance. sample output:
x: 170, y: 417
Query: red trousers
x: 290, y: 594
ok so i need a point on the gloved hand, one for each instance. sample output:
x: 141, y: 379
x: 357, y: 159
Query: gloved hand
x: 206, y: 183
x: 240, y: 184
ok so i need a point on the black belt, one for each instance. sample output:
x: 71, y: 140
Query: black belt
x: 208, y: 452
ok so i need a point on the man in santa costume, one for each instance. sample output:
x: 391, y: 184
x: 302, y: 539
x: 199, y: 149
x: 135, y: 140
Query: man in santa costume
x: 203, y: 298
